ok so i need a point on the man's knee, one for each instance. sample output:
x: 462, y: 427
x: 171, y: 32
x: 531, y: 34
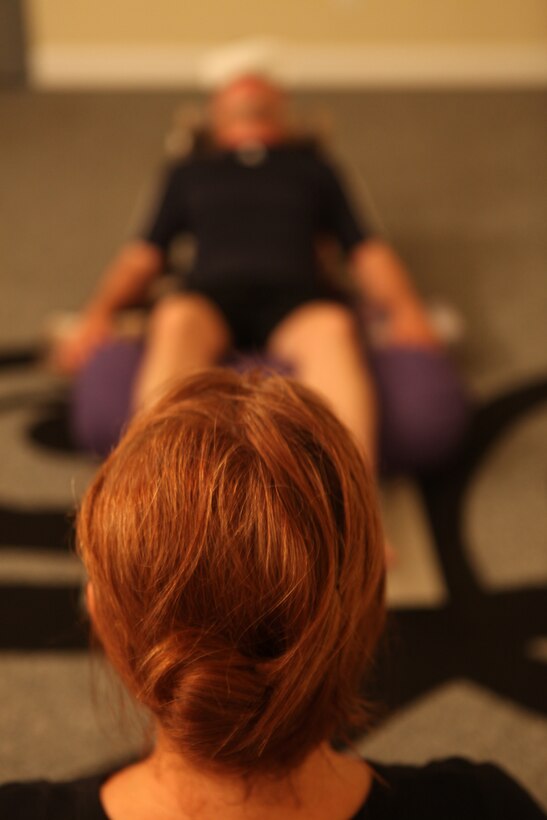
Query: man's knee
x: 319, y: 325
x: 182, y: 314
x: 332, y: 320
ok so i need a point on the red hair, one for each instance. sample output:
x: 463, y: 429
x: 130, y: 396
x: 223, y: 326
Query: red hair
x: 237, y: 561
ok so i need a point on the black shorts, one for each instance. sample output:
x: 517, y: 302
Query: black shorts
x: 254, y: 311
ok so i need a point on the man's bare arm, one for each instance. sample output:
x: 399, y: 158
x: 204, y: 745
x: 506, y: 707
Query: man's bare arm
x: 124, y: 282
x: 127, y: 278
x: 385, y: 283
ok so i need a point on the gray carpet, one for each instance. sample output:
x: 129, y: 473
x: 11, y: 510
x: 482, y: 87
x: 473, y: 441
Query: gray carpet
x: 459, y: 182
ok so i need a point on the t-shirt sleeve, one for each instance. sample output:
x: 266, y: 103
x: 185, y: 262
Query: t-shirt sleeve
x: 502, y: 796
x: 21, y: 801
x: 43, y: 800
x: 451, y: 789
x: 339, y: 213
x: 168, y: 217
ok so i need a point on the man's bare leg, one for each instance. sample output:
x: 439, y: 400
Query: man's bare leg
x: 186, y: 332
x: 320, y: 340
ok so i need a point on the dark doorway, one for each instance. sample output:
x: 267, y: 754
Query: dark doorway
x: 13, y: 68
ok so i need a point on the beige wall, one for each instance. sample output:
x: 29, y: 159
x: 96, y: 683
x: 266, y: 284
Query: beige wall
x: 172, y: 22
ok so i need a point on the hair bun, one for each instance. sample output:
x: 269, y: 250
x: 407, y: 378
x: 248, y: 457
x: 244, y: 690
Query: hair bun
x: 212, y: 702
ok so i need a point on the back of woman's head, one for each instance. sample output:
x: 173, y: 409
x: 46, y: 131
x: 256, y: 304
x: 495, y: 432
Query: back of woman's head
x: 233, y: 544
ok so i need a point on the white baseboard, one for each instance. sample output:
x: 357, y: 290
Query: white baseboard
x: 298, y: 66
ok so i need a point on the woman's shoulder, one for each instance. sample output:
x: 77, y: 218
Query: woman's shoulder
x: 449, y: 788
x: 44, y: 800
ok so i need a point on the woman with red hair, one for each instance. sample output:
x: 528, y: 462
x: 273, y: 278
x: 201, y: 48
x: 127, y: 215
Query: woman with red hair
x: 236, y: 583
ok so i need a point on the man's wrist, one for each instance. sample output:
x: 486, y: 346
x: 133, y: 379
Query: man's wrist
x: 99, y: 312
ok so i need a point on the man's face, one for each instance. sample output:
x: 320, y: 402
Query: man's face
x: 249, y: 110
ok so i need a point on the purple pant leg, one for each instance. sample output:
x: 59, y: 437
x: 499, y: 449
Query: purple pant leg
x: 101, y: 397
x: 424, y: 408
x: 102, y: 392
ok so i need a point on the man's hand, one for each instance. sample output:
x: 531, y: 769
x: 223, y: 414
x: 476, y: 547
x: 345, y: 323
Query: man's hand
x: 385, y: 283
x: 125, y: 281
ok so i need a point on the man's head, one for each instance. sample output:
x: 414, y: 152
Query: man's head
x: 250, y: 109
